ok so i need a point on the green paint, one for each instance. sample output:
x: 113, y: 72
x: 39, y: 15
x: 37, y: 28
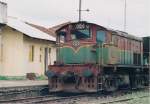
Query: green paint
x: 102, y: 55
x: 105, y: 55
x: 83, y: 55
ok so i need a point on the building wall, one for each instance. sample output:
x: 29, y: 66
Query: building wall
x: 37, y: 65
x: 15, y: 49
x: 0, y: 51
x: 12, y: 52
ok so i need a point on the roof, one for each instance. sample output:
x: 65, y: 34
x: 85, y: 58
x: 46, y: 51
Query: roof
x: 44, y: 29
x: 116, y: 32
x: 124, y: 34
x: 29, y: 30
x: 57, y: 27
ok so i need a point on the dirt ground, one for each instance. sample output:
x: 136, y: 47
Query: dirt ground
x: 141, y: 97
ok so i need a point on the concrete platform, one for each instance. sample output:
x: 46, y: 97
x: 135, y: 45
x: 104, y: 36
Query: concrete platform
x: 21, y: 83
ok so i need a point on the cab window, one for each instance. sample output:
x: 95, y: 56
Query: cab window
x: 62, y: 36
x: 101, y: 36
x: 80, y: 34
x: 80, y: 31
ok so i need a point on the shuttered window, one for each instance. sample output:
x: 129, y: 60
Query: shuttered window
x: 31, y: 53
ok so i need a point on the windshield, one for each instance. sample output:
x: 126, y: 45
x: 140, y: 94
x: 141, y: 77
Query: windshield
x: 76, y: 31
x: 80, y: 34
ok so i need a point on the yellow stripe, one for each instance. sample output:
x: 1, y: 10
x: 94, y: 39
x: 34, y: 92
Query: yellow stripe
x: 76, y: 50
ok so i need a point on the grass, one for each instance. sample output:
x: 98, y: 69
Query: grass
x: 3, y: 78
x: 12, y: 78
x: 41, y: 77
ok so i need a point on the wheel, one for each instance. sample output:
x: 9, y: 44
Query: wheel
x: 110, y: 83
x: 140, y: 81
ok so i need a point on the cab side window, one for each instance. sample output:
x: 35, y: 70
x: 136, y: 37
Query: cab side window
x: 61, y: 36
x: 100, y: 36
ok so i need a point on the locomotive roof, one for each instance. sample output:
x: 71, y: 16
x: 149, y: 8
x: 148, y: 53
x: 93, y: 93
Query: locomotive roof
x: 116, y: 32
x: 125, y: 34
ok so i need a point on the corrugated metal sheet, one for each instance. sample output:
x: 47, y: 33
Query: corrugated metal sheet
x: 3, y: 12
x: 28, y: 30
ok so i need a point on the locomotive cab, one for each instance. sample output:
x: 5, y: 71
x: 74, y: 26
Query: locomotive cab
x: 75, y: 42
x: 77, y: 57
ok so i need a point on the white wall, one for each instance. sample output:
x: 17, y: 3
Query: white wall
x: 12, y: 60
x: 16, y: 54
x: 36, y: 66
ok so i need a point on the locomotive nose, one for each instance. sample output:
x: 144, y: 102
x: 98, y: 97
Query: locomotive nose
x: 69, y: 78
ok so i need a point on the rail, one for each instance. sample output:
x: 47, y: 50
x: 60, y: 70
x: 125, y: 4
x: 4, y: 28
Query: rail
x: 54, y: 98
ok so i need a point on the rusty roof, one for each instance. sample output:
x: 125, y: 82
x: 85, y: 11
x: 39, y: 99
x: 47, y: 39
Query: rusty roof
x: 117, y: 32
x: 57, y: 27
x: 49, y: 31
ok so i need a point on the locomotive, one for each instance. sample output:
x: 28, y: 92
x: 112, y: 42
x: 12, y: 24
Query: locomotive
x: 92, y: 58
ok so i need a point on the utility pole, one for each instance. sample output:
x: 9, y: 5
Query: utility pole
x: 125, y: 15
x: 80, y: 10
x: 80, y: 3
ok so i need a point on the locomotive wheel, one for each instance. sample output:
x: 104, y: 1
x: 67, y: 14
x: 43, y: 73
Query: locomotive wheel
x: 140, y: 81
x: 110, y: 84
x: 146, y: 80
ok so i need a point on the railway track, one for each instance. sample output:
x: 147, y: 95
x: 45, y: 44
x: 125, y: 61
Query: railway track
x: 53, y: 98
x: 107, y: 99
x: 16, y: 94
x: 26, y: 100
x: 123, y: 100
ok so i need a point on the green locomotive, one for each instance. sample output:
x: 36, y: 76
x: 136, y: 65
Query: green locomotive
x: 92, y: 58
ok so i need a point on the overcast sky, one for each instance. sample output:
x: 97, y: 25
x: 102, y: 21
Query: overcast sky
x: 107, y: 13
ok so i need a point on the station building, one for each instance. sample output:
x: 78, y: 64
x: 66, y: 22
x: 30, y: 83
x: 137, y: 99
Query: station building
x: 25, y: 48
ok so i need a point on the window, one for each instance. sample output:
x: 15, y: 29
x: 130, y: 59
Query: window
x: 49, y: 56
x: 101, y: 36
x: 80, y: 31
x: 31, y: 53
x: 1, y: 52
x: 62, y: 36
x: 1, y: 48
x: 49, y: 50
x: 41, y: 51
x: 80, y: 34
